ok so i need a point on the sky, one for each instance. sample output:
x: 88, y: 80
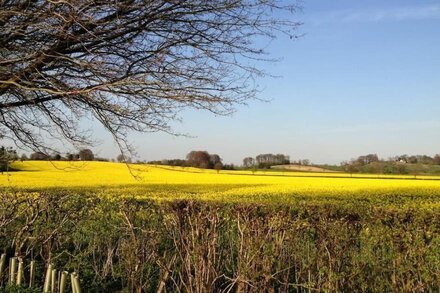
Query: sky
x: 364, y: 77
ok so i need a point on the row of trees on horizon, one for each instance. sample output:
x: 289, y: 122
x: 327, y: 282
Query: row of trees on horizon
x: 370, y: 163
x: 403, y: 164
x: 8, y: 154
x: 197, y: 159
x: 264, y: 161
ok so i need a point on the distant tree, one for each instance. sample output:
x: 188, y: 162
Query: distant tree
x: 39, y: 156
x: 23, y: 157
x: 229, y: 167
x: 69, y: 157
x: 214, y: 159
x: 120, y: 158
x: 437, y: 159
x: 56, y: 157
x: 371, y: 158
x: 401, y: 168
x: 248, y: 162
x: 410, y: 159
x: 361, y: 160
x: 404, y: 159
x: 218, y: 166
x: 305, y: 162
x: 268, y: 160
x: 169, y: 162
x: 101, y: 159
x: 86, y: 155
x: 351, y: 167
x: 123, y: 159
x: 416, y: 169
x: 7, y: 156
x: 377, y: 167
x: 367, y: 159
x: 199, y: 159
x: 179, y: 162
x: 424, y: 159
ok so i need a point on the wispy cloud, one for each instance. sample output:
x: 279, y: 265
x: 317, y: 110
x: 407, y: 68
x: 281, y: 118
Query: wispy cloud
x: 394, y: 14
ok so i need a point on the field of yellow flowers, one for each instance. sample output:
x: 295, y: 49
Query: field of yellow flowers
x: 148, y: 227
x: 170, y: 183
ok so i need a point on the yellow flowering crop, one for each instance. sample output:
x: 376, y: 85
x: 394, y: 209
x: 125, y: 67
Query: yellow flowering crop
x: 164, y: 182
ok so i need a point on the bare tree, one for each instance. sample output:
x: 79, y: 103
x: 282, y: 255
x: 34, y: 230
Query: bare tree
x: 120, y: 158
x: 248, y: 162
x: 218, y: 166
x: 267, y: 160
x: 131, y: 65
x: 214, y: 160
x: 198, y: 159
x: 437, y: 159
x: 86, y: 155
x: 39, y: 156
x: 7, y: 155
x: 305, y: 162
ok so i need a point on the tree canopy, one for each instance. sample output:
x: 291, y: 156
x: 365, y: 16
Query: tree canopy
x: 7, y: 155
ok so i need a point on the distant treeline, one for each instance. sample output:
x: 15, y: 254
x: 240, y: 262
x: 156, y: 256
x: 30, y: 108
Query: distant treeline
x: 370, y: 163
x: 8, y: 154
x: 198, y: 159
x: 205, y: 160
x: 266, y: 161
x: 82, y: 155
x: 403, y: 164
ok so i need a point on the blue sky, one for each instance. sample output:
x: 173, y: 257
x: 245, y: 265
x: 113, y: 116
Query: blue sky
x: 364, y: 78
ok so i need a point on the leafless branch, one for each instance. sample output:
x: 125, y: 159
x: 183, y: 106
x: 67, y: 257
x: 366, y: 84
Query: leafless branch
x: 132, y: 65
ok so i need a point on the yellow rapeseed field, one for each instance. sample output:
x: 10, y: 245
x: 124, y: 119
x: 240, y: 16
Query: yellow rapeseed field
x: 164, y: 182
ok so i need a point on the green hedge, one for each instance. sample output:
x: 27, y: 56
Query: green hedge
x: 130, y: 245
